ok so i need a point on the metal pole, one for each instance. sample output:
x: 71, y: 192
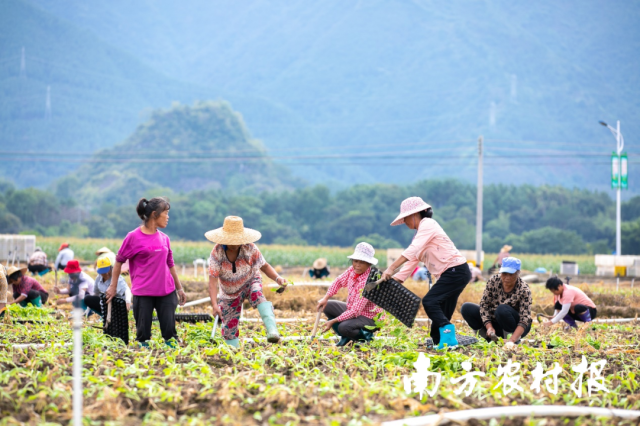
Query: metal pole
x: 479, y: 207
x: 617, y: 283
x: 77, y: 366
x: 618, y: 236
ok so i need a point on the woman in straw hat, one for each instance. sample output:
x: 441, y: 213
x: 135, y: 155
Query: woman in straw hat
x: 504, y: 253
x: 432, y: 246
x: 26, y: 290
x: 154, y: 281
x: 235, y: 265
x: 319, y: 269
x: 349, y: 320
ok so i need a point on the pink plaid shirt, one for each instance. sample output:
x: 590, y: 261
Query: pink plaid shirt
x: 356, y: 304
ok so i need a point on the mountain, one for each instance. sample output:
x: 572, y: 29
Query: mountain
x: 185, y: 148
x: 397, y: 90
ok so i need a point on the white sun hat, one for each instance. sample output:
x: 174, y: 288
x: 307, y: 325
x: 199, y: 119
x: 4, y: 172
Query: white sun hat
x: 233, y: 233
x: 364, y: 252
x: 408, y: 207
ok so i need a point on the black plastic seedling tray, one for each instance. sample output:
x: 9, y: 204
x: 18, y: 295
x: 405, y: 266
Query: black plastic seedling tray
x: 394, y: 298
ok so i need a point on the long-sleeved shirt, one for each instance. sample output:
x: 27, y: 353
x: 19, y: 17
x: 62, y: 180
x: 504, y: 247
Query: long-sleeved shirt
x: 571, y: 296
x: 494, y: 295
x: 85, y: 284
x: 38, y: 258
x: 27, y: 284
x: 65, y: 255
x: 432, y: 246
x: 356, y: 304
x: 150, y: 262
x: 122, y: 290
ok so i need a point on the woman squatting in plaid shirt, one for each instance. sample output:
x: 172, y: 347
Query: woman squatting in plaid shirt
x: 349, y: 320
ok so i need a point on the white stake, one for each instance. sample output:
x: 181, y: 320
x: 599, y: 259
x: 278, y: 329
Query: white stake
x: 215, y: 325
x: 315, y: 326
x: 632, y: 281
x: 77, y: 367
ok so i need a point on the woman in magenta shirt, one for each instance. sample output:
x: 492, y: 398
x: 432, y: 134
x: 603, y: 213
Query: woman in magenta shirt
x: 154, y: 281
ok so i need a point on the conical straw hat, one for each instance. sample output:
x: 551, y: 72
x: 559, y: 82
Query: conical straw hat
x: 233, y: 233
x: 319, y: 263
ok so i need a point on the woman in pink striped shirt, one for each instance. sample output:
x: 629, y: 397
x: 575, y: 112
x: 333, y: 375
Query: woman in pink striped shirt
x: 349, y: 320
x: 432, y: 246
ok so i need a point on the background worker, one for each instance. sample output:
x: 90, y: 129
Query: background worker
x: 80, y: 284
x: 38, y: 262
x: 65, y: 254
x: 234, y: 266
x: 320, y: 269
x: 105, y: 252
x: 349, y: 320
x: 505, y: 306
x: 432, y: 246
x: 504, y: 253
x: 570, y: 303
x: 102, y: 283
x: 154, y: 281
x: 422, y: 274
x: 26, y: 290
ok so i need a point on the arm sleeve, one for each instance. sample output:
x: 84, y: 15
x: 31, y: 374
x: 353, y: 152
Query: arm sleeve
x: 423, y: 236
x: 406, y: 270
x: 562, y: 313
x: 525, y: 308
x: 170, y: 262
x: 214, y: 264
x: 487, y: 307
x: 339, y: 283
x: 125, y: 252
x: 128, y: 297
x: 57, y: 263
x: 257, y: 258
x: 26, y: 286
x: 353, y: 311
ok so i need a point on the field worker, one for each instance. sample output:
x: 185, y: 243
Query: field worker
x: 504, y: 253
x: 421, y: 274
x: 4, y: 286
x: 154, y: 282
x: 80, y: 284
x: 38, y: 262
x: 432, y: 246
x: 349, y: 320
x: 320, y: 269
x: 570, y: 304
x: 102, y: 283
x: 505, y: 306
x: 476, y: 273
x: 65, y: 254
x: 235, y: 264
x: 26, y: 290
x: 105, y: 252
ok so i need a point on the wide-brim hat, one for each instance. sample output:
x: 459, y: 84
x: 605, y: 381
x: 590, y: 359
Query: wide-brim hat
x: 73, y: 267
x: 505, y: 248
x: 319, y: 263
x: 233, y: 233
x: 103, y: 250
x: 364, y: 252
x: 13, y: 269
x: 408, y: 207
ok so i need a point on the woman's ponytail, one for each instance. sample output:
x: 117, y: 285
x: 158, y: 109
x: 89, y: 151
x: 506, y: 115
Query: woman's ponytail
x: 142, y: 209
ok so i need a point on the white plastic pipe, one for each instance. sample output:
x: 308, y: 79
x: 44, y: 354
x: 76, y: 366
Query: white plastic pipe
x: 282, y: 320
x: 616, y: 320
x: 196, y: 302
x: 36, y: 345
x: 517, y: 411
x: 77, y: 367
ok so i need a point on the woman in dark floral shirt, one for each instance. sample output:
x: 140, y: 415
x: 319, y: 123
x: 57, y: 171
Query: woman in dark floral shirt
x: 505, y: 306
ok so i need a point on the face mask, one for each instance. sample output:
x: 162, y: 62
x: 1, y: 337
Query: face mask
x: 74, y: 276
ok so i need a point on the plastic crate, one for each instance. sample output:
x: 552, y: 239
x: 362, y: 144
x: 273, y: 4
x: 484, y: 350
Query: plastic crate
x: 394, y: 298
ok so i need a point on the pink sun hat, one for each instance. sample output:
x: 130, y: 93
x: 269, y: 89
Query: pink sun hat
x: 408, y: 207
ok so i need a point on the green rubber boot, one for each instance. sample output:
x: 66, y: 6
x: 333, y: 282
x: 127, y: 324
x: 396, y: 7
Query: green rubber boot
x: 233, y: 342
x: 269, y: 319
x: 343, y: 340
x: 37, y: 302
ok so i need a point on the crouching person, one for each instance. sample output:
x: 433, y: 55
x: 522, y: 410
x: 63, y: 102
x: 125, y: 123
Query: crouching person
x: 505, y: 306
x: 570, y: 304
x: 26, y: 290
x: 80, y: 285
x: 235, y: 266
x: 102, y: 283
x: 349, y: 320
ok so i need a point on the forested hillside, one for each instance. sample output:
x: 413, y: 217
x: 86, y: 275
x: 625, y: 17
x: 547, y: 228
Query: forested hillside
x: 533, y: 219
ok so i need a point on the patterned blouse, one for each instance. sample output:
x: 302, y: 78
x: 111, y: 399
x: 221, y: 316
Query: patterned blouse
x: 356, y: 304
x: 519, y: 299
x: 234, y: 276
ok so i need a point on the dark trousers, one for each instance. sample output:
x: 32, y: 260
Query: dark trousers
x: 505, y: 319
x: 578, y: 310
x: 349, y: 328
x: 33, y: 294
x: 165, y: 307
x: 440, y: 302
x: 93, y: 303
x: 35, y: 269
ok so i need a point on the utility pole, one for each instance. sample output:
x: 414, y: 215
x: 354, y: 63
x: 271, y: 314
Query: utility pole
x: 47, y: 110
x: 479, y: 206
x: 618, y: 178
x: 23, y: 65
x: 618, y: 215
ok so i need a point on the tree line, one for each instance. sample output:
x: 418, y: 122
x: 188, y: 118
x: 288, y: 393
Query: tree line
x: 543, y: 219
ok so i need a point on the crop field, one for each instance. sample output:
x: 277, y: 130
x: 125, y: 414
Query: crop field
x: 301, y: 381
x: 185, y: 252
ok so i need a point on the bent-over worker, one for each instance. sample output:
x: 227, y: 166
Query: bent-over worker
x: 570, y: 304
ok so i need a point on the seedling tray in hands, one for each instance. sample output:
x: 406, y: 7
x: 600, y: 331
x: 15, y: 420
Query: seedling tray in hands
x: 119, y: 325
x: 394, y: 298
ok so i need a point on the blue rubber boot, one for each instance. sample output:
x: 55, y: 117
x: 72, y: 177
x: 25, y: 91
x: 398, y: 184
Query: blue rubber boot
x: 584, y: 316
x: 366, y: 335
x: 343, y: 340
x: 569, y: 320
x: 269, y: 320
x: 171, y: 343
x: 448, y: 337
x: 143, y: 344
x: 233, y: 342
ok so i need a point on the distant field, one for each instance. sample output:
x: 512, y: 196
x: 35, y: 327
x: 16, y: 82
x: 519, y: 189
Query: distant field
x: 187, y: 251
